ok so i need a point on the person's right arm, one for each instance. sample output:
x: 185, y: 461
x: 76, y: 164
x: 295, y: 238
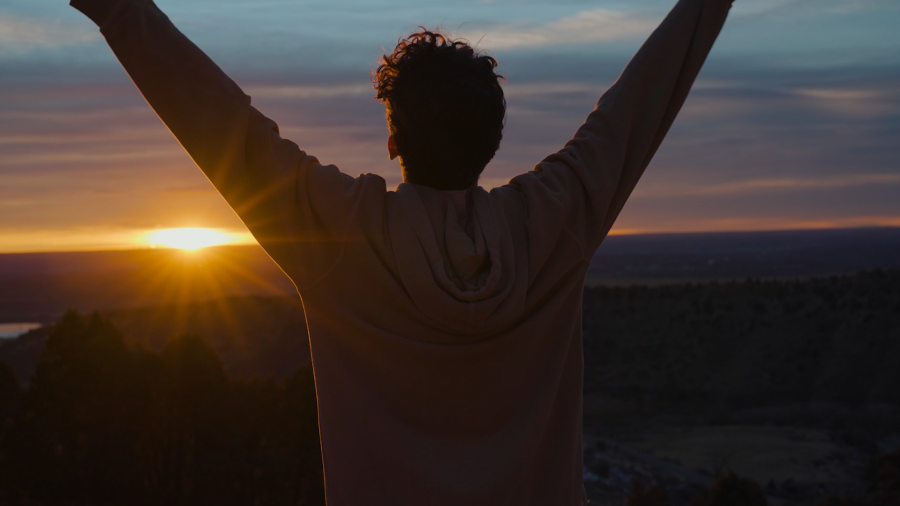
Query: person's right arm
x: 590, y: 179
x: 296, y: 208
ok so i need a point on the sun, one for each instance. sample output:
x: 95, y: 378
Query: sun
x: 189, y: 239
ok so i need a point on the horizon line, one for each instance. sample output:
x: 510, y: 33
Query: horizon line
x: 614, y: 233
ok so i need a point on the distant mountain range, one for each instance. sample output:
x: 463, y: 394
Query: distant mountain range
x: 41, y: 286
x: 791, y: 254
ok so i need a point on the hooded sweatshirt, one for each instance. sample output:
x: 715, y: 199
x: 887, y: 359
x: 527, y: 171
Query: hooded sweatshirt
x: 448, y: 365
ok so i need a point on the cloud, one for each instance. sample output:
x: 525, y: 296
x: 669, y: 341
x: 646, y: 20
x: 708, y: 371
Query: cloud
x: 837, y: 94
x: 150, y: 155
x: 757, y: 7
x: 307, y: 91
x: 19, y: 34
x: 767, y: 185
x: 551, y: 88
x: 849, y: 102
x: 846, y: 6
x: 597, y: 25
x: 809, y: 97
x: 779, y: 7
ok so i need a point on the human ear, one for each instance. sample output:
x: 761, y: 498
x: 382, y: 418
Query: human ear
x: 392, y: 147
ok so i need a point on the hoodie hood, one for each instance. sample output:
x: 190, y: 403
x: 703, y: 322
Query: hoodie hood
x: 473, y: 282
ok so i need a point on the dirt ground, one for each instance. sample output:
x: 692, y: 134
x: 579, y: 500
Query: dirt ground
x: 792, y: 465
x: 774, y: 455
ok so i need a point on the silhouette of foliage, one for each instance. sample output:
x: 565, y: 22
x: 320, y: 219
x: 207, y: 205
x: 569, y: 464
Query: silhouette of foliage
x: 641, y: 495
x: 843, y: 501
x: 10, y: 394
x: 102, y: 423
x: 884, y: 488
x: 732, y: 490
x: 10, y: 390
x: 887, y: 489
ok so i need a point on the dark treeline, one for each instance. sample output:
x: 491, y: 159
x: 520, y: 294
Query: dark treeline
x: 102, y: 423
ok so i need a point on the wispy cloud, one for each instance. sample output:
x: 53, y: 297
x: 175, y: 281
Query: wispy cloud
x: 304, y: 91
x: 20, y: 34
x: 766, y: 7
x: 850, y: 102
x: 550, y: 88
x: 596, y: 25
x: 758, y: 7
x: 768, y: 185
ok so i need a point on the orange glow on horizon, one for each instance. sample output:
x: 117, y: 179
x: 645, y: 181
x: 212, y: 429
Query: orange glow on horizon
x: 190, y: 238
x: 194, y: 238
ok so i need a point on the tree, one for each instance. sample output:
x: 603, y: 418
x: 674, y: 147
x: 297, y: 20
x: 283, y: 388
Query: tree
x: 10, y: 391
x: 186, y: 457
x: 104, y: 424
x: 85, y: 407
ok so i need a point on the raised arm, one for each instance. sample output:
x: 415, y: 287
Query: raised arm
x: 598, y: 169
x: 295, y: 207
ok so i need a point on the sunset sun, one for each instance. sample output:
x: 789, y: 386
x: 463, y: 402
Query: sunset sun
x: 189, y: 239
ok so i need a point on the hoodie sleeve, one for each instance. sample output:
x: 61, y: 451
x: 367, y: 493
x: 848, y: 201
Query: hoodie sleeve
x: 298, y: 209
x: 586, y: 184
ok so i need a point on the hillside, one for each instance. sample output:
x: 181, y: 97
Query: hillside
x: 725, y: 345
x: 793, y: 383
x: 751, y: 342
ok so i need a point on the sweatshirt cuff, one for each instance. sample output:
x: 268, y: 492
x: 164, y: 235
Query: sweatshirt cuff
x: 102, y: 12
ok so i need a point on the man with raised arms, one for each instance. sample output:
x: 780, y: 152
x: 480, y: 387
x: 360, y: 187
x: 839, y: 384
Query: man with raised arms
x: 444, y: 319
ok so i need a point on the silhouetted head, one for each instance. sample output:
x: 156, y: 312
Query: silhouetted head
x: 445, y: 109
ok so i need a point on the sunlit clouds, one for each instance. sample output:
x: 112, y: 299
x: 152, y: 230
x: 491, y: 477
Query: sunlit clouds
x: 21, y: 34
x: 862, y: 103
x: 591, y: 26
x: 309, y: 91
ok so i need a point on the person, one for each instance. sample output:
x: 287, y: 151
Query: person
x: 444, y: 319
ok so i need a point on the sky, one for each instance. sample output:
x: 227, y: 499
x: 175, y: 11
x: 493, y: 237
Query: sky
x: 794, y: 122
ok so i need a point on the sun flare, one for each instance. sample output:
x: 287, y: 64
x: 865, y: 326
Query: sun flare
x: 190, y: 239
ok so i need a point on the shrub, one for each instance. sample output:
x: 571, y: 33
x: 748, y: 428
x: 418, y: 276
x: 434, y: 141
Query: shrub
x: 732, y: 490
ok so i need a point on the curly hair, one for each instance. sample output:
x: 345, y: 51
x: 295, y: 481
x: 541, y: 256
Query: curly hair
x: 445, y: 108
